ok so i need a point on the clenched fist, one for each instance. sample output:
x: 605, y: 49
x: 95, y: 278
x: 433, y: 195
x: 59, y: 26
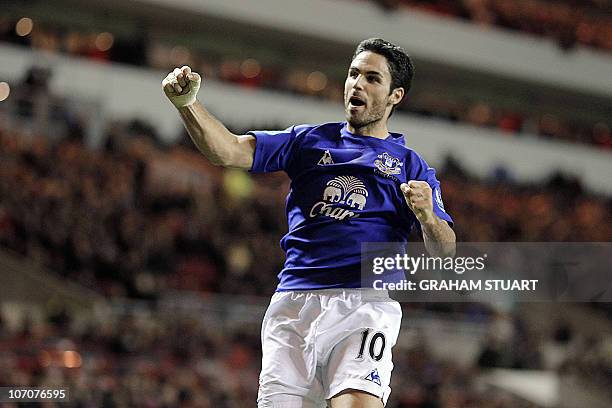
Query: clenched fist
x: 181, y: 86
x: 418, y: 196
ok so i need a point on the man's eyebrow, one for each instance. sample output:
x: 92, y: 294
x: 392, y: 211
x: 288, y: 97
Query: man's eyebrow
x: 368, y: 72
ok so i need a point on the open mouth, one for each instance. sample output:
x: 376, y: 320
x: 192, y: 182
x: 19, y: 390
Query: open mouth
x: 355, y: 101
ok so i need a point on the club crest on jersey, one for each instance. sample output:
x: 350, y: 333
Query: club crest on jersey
x: 388, y: 164
x: 343, y: 190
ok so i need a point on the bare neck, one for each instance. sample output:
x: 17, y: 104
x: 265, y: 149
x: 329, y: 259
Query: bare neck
x: 378, y: 130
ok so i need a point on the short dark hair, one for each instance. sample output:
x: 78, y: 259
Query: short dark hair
x: 399, y: 62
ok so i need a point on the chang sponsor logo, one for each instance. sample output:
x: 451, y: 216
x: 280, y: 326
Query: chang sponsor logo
x: 343, y: 190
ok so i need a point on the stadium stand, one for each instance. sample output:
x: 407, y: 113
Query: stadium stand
x: 250, y: 73
x: 567, y: 22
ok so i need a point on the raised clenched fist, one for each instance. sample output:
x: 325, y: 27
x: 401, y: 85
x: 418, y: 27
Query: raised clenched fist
x: 181, y: 86
x: 419, y: 198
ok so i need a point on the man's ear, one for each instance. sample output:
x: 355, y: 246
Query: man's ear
x: 396, y: 96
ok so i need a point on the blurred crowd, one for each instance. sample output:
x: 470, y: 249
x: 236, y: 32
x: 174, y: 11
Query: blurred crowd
x: 498, y: 209
x: 568, y: 22
x: 134, y: 217
x: 421, y: 381
x: 249, y: 72
x: 133, y: 362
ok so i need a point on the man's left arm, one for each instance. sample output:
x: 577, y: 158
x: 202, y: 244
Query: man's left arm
x: 439, y: 237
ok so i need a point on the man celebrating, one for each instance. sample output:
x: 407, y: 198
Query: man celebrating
x: 351, y: 182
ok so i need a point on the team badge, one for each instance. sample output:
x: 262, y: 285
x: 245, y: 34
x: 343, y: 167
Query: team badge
x: 388, y: 164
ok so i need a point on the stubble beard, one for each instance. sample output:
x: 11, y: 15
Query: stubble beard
x: 365, y: 119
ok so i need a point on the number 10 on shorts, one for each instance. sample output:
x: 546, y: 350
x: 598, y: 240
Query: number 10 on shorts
x: 375, y: 345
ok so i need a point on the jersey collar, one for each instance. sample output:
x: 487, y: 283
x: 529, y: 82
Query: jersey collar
x: 392, y: 137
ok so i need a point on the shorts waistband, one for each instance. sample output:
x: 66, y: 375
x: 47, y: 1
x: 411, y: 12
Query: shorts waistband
x: 368, y: 293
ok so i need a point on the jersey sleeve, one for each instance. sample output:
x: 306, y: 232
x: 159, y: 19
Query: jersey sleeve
x: 425, y: 173
x: 274, y: 149
x: 436, y: 191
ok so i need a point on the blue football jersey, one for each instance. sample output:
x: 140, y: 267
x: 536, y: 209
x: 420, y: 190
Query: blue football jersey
x: 345, y: 190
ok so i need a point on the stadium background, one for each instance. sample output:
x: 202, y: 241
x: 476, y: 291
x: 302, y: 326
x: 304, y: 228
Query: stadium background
x: 136, y: 274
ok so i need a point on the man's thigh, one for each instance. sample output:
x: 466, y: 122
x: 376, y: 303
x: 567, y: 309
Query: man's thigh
x: 355, y: 399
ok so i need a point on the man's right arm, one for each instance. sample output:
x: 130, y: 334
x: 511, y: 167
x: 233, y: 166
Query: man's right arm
x: 213, y: 139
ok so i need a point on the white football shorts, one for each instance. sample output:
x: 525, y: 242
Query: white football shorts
x: 319, y: 343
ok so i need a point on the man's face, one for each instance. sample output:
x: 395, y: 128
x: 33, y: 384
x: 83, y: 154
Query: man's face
x: 366, y: 90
